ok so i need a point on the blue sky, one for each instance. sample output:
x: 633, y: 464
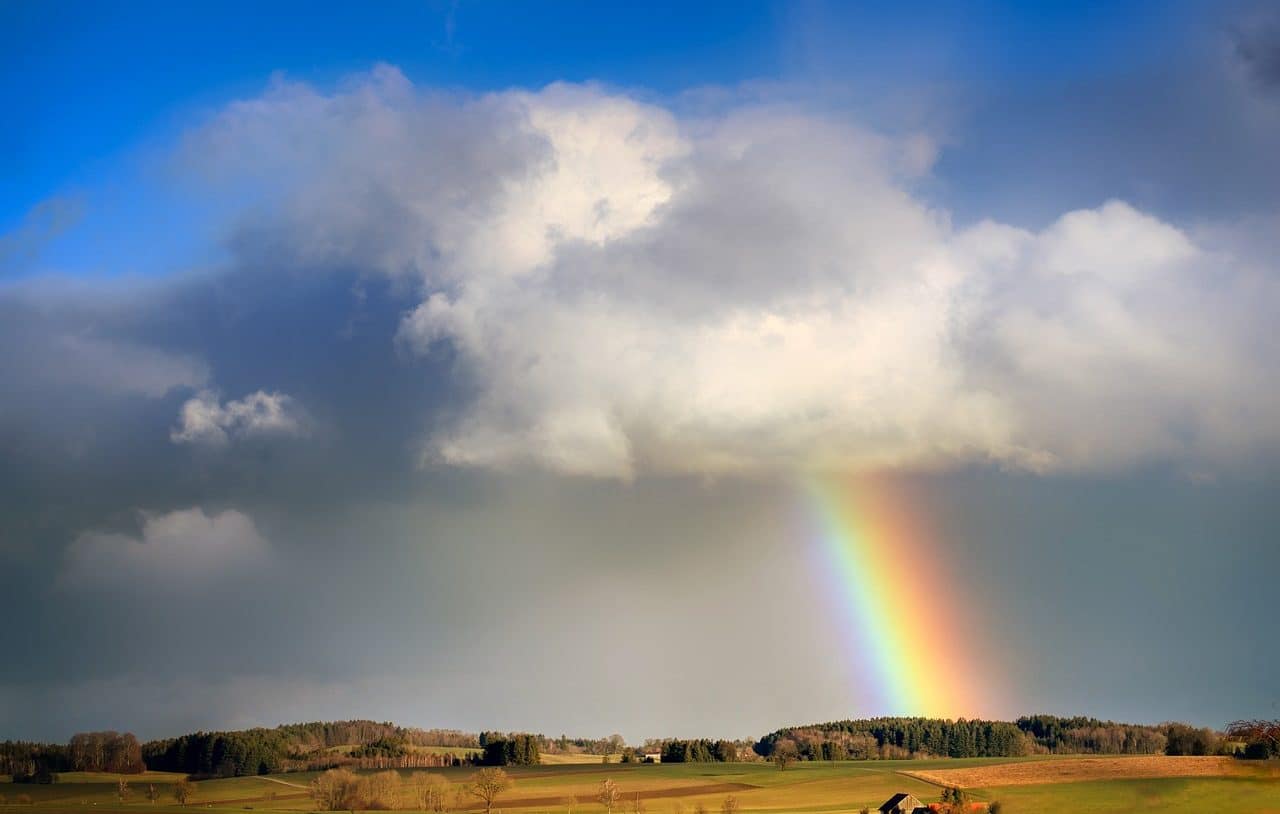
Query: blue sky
x: 299, y: 294
x: 100, y: 88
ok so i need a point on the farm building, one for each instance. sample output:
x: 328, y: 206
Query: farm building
x: 652, y: 757
x: 902, y: 803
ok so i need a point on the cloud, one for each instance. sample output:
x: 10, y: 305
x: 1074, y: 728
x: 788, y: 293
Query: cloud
x: 623, y: 289
x: 185, y: 547
x: 59, y: 338
x: 203, y: 420
x: 1258, y: 48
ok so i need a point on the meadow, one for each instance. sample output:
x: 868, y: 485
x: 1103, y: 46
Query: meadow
x: 815, y: 787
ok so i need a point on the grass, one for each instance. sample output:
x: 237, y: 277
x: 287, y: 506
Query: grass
x: 806, y: 788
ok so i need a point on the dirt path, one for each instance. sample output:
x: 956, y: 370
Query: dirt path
x: 285, y: 783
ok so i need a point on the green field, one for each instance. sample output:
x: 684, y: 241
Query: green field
x: 679, y: 788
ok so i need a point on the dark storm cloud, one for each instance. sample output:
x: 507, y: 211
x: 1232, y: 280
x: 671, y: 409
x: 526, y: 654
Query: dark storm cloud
x: 1258, y: 47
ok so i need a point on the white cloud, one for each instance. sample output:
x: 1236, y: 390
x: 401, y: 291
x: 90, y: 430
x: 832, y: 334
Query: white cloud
x: 204, y: 420
x: 626, y: 290
x: 182, y: 548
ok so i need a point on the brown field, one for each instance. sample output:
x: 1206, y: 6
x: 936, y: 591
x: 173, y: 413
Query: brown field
x: 1075, y: 770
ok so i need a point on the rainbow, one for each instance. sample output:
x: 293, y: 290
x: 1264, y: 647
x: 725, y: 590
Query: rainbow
x: 907, y: 647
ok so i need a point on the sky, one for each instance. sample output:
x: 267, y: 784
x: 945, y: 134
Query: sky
x: 647, y: 369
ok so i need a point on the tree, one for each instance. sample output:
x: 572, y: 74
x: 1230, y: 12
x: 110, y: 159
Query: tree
x: 335, y: 790
x: 381, y: 790
x: 183, y: 791
x: 122, y: 789
x: 956, y: 799
x: 1261, y: 738
x: 730, y: 805
x: 608, y: 795
x: 1187, y: 740
x: 153, y: 793
x: 487, y: 784
x: 568, y: 803
x: 784, y: 754
x: 431, y: 791
x: 637, y: 805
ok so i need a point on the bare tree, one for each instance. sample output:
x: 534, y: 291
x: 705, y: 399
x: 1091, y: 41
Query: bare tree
x: 608, y: 795
x: 122, y: 789
x: 784, y: 754
x: 637, y: 805
x: 431, y: 791
x: 487, y: 784
x: 382, y: 790
x: 153, y: 793
x: 183, y: 791
x: 568, y: 803
x: 335, y: 790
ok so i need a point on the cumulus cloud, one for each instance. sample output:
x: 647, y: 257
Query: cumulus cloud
x: 625, y: 289
x: 205, y: 420
x: 186, y: 547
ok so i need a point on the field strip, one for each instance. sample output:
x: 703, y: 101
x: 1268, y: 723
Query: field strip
x: 1078, y: 770
x: 649, y: 794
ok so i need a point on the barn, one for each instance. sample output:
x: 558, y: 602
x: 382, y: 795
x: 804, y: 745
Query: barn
x: 902, y: 803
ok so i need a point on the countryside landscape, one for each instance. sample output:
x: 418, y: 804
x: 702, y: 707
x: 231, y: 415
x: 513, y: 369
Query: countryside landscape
x: 640, y: 406
x: 1038, y: 763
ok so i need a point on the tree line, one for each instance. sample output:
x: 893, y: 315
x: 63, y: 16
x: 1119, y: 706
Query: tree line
x: 699, y: 750
x: 871, y: 738
x: 29, y: 762
x: 308, y: 746
x: 901, y: 737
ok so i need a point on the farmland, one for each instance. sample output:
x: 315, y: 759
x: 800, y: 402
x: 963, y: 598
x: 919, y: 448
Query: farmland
x: 1021, y: 784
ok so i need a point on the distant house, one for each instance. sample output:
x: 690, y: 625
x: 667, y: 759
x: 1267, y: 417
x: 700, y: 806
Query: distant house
x: 902, y: 803
x: 652, y: 757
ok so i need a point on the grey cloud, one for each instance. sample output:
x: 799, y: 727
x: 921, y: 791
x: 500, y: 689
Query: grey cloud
x: 1258, y: 48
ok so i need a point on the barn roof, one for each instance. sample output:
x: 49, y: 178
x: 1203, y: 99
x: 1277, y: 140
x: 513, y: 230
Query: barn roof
x: 900, y: 801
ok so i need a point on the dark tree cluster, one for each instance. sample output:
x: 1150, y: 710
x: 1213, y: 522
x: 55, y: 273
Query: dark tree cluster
x: 1184, y: 739
x: 516, y: 749
x: 220, y: 754
x: 30, y: 762
x: 898, y: 737
x: 700, y: 750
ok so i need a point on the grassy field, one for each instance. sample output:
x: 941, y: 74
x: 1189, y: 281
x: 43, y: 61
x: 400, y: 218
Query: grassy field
x: 822, y: 788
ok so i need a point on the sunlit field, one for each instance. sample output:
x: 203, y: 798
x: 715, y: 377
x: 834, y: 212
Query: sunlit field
x: 689, y: 788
